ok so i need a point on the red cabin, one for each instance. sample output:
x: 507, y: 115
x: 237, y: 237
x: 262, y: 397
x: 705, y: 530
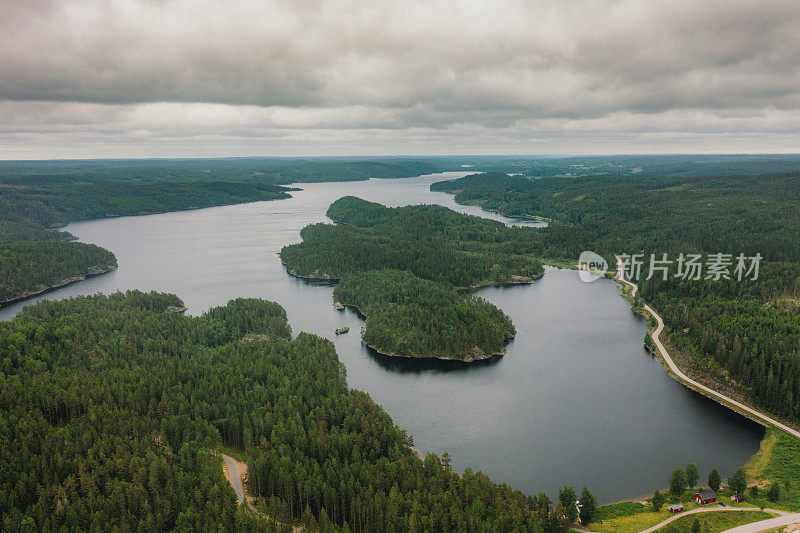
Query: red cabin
x: 706, y: 497
x: 678, y: 508
x: 738, y: 498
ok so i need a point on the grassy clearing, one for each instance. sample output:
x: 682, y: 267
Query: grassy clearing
x: 569, y: 264
x: 716, y: 522
x: 626, y: 517
x: 632, y: 517
x: 619, y: 510
x: 777, y: 460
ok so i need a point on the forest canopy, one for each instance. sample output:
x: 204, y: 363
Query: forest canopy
x: 111, y: 406
x: 747, y: 214
x: 38, y: 196
x: 24, y: 270
x: 402, y: 268
x: 414, y: 317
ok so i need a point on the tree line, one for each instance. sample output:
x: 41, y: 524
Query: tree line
x: 28, y: 267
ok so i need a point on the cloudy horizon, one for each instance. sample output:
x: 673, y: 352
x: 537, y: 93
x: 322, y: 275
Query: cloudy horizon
x: 189, y: 78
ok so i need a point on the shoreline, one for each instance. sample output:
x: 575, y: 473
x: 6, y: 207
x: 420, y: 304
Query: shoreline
x: 522, y: 217
x: 515, y: 280
x: 743, y: 409
x: 438, y: 357
x: 60, y: 227
x: 362, y: 316
x: 93, y: 272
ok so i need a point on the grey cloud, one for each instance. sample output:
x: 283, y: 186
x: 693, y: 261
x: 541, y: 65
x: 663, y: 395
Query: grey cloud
x: 542, y: 58
x: 539, y: 72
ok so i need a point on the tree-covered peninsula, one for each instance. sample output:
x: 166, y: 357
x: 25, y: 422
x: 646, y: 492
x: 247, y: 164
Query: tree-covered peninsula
x: 415, y: 317
x: 111, y: 408
x: 28, y: 268
x: 406, y: 269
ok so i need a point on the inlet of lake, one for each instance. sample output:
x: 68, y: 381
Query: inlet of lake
x: 576, y: 400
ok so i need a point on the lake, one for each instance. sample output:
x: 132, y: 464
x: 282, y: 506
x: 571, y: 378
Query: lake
x: 576, y: 400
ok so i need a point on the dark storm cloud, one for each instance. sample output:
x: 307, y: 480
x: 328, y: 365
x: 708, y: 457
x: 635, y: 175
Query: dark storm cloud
x: 530, y: 69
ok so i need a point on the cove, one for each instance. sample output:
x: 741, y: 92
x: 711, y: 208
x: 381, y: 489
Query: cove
x: 576, y: 400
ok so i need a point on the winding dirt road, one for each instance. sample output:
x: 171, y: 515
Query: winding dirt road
x: 686, y: 379
x: 763, y: 525
x: 235, y: 476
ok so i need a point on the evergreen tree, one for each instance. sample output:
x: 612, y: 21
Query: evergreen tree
x: 714, y: 480
x: 677, y: 482
x: 658, y: 501
x: 774, y: 492
x: 588, y: 506
x: 692, y: 475
x: 737, y: 483
x: 568, y: 499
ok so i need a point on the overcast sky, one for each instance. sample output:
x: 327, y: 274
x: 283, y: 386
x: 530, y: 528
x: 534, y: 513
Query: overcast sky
x: 119, y: 78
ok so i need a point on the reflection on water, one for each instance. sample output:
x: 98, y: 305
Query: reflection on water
x: 415, y: 365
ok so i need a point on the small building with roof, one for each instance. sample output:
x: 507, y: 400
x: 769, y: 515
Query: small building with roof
x: 706, y: 497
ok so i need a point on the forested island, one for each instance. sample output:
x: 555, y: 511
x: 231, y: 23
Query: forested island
x: 403, y: 268
x: 741, y: 337
x: 111, y: 407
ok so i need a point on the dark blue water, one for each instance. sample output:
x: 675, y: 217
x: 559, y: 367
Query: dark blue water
x: 576, y: 400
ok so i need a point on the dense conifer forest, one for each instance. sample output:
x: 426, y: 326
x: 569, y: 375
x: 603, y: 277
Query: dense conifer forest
x: 748, y: 214
x: 401, y: 267
x: 415, y: 317
x: 24, y: 270
x: 745, y: 335
x: 111, y: 406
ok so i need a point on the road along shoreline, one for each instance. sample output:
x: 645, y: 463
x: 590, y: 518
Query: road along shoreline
x: 746, y: 410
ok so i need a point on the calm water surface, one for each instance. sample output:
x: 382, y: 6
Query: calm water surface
x: 576, y: 400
